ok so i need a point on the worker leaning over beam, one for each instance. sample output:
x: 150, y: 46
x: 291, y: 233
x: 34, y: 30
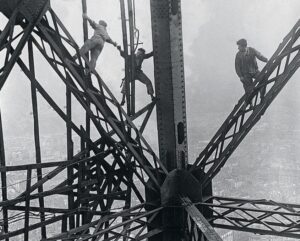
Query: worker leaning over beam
x: 138, y: 74
x: 246, y: 66
x: 96, y: 43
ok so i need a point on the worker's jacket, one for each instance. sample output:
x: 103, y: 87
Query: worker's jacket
x: 245, y: 62
x: 138, y: 60
x: 100, y: 31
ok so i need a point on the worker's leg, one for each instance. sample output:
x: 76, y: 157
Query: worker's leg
x: 262, y: 90
x: 95, y: 52
x: 87, y: 46
x: 95, y: 45
x: 145, y: 80
x: 123, y: 90
x: 123, y: 99
x: 248, y: 86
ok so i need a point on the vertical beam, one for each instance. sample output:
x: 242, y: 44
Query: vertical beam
x: 132, y: 57
x: 169, y: 82
x: 70, y: 154
x: 64, y: 224
x: 27, y: 204
x: 85, y: 25
x: 126, y: 57
x: 170, y: 106
x: 129, y: 81
x: 85, y: 37
x: 36, y: 132
x: 81, y: 188
x: 127, y: 199
x: 3, y: 179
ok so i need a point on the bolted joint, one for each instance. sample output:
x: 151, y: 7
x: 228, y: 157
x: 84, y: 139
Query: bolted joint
x: 180, y: 183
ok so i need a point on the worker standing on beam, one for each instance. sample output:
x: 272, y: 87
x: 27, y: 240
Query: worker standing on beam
x: 96, y: 43
x: 138, y: 74
x: 246, y: 66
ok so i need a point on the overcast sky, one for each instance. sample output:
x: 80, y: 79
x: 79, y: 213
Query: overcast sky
x: 210, y: 28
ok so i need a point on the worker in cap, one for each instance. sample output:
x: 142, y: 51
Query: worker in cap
x: 96, y: 43
x: 246, y: 66
x: 138, y: 74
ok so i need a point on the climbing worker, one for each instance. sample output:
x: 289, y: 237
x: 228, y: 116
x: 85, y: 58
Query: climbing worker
x: 138, y: 74
x: 246, y: 66
x: 96, y: 43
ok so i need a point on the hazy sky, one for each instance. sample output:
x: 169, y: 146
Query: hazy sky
x: 210, y: 27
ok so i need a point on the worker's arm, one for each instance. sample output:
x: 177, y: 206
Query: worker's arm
x: 91, y: 22
x: 260, y: 56
x: 109, y: 40
x: 238, y: 66
x: 149, y: 55
x: 122, y: 53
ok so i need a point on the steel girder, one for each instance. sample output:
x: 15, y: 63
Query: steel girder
x: 8, y: 36
x: 198, y: 226
x: 257, y: 216
x: 273, y: 77
x: 103, y: 174
x: 113, y: 226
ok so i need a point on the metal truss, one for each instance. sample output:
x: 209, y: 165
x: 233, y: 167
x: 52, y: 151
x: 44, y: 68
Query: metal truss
x: 104, y: 183
x: 109, y: 171
x: 9, y: 37
x: 197, y: 224
x: 277, y: 72
x: 257, y: 216
x: 113, y: 226
x: 109, y: 118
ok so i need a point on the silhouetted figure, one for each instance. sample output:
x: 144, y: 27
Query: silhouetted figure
x: 246, y: 66
x: 138, y: 74
x: 96, y: 43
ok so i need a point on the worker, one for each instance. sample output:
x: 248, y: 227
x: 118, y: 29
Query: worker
x: 138, y: 74
x: 96, y: 43
x: 246, y: 67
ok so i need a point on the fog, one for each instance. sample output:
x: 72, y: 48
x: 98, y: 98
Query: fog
x: 264, y: 165
x: 211, y: 29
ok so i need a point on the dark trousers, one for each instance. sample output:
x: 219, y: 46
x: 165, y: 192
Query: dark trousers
x: 248, y: 84
x: 139, y: 75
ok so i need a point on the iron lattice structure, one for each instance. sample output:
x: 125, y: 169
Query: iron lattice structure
x: 116, y: 187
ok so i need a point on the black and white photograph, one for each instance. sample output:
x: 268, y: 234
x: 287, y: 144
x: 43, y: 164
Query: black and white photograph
x: 149, y: 120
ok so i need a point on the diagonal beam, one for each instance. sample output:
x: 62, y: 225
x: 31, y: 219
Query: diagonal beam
x: 94, y: 93
x: 94, y: 98
x: 115, y: 226
x: 252, y: 215
x: 26, y: 34
x: 274, y: 76
x: 36, y: 130
x: 49, y: 221
x: 202, y: 224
